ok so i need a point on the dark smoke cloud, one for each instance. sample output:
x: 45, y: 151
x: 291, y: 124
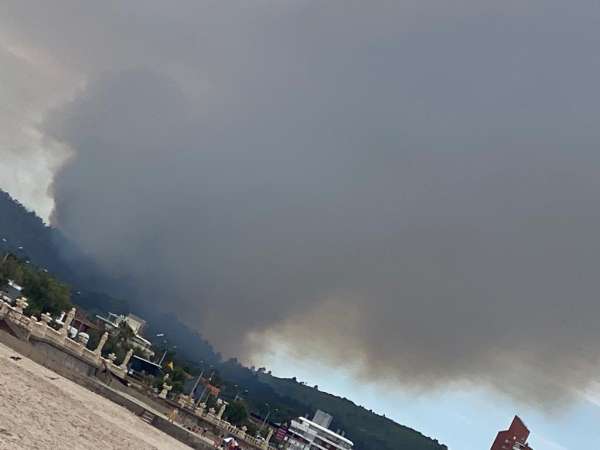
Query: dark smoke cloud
x: 408, y: 189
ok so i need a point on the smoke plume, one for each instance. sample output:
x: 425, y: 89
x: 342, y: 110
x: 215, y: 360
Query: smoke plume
x: 403, y: 188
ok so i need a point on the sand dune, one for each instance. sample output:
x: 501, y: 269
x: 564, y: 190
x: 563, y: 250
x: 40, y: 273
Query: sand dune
x: 42, y: 410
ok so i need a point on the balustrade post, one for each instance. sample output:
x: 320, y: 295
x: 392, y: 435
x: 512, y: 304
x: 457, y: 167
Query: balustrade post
x: 103, y: 339
x: 126, y: 359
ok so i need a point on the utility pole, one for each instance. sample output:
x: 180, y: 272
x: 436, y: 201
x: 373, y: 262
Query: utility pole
x: 196, y: 384
x: 162, y: 358
x: 265, y: 419
x: 237, y: 394
x: 205, y: 387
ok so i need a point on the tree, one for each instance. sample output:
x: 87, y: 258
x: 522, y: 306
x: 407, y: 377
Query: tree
x: 211, y: 401
x: 236, y: 413
x: 44, y: 292
x: 178, y: 377
x: 252, y: 429
x: 119, y: 341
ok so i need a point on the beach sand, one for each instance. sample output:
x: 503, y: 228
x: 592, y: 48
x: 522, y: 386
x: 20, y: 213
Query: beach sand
x: 42, y: 410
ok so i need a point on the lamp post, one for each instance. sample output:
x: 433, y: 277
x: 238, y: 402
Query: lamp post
x: 159, y: 335
x: 237, y: 392
x: 6, y: 252
x: 266, y: 418
x: 165, y: 354
x: 206, y: 384
x: 162, y: 358
x: 196, y: 383
x: 166, y: 343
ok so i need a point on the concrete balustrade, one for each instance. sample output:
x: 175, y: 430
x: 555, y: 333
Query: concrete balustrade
x: 46, y: 318
x: 74, y: 346
x: 103, y: 339
x: 222, y: 425
x: 125, y: 361
x: 59, y: 340
x: 21, y: 304
x: 42, y: 331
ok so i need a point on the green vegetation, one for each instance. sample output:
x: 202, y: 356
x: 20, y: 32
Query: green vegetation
x: 252, y: 428
x: 236, y: 413
x: 288, y: 398
x: 177, y: 377
x: 117, y: 342
x: 24, y: 235
x: 45, y: 293
x: 365, y: 428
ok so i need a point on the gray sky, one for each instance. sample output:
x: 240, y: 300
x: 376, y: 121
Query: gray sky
x: 409, y: 188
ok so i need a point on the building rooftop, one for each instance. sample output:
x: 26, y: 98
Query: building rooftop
x: 143, y: 340
x: 147, y: 361
x: 15, y: 286
x: 325, y: 430
x: 105, y: 320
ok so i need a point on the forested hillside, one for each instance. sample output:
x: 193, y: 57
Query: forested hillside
x: 25, y: 235
x: 367, y: 429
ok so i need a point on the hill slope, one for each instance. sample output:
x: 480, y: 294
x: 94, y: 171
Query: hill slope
x: 96, y: 292
x: 367, y: 429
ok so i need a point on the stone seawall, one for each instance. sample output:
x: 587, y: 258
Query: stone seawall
x: 15, y: 322
x: 55, y: 350
x: 49, y: 356
x: 81, y: 373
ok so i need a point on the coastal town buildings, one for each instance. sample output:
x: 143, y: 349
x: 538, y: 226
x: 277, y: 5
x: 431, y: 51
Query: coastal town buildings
x: 305, y: 434
x: 322, y: 418
x: 514, y: 438
x: 54, y: 348
x: 142, y: 367
x: 201, y: 388
x: 83, y: 324
x: 136, y: 324
x: 11, y: 292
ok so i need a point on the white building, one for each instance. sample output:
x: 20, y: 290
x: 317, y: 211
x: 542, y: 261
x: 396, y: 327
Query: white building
x: 304, y: 434
x: 322, y: 418
x: 113, y: 321
x: 11, y: 292
x: 135, y: 323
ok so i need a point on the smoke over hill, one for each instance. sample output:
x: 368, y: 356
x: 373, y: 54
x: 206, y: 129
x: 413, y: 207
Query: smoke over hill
x: 406, y: 189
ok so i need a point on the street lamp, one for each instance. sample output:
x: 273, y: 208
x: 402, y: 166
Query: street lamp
x: 237, y: 393
x: 193, y: 391
x: 4, y: 241
x: 165, y: 342
x: 206, y: 384
x: 266, y: 417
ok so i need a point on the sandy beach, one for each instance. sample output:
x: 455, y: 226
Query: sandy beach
x: 42, y: 410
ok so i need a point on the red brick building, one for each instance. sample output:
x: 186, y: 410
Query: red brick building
x: 515, y: 438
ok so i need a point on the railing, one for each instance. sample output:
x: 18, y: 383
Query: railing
x: 41, y: 331
x: 232, y: 429
x: 18, y: 318
x: 75, y: 347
